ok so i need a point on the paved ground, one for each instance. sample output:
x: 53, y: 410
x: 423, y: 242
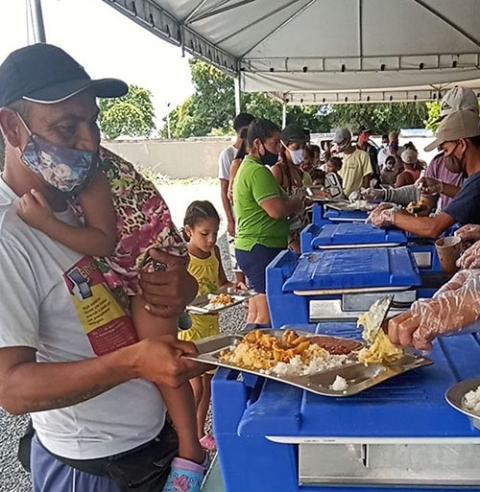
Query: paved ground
x: 178, y: 196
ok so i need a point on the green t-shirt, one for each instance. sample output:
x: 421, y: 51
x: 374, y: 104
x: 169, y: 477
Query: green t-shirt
x: 253, y: 184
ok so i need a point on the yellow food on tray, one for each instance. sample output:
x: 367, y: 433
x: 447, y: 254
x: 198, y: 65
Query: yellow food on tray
x: 221, y: 300
x: 290, y: 354
x: 381, y: 349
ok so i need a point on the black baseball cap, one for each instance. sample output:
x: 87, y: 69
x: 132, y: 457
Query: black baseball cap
x: 46, y: 74
x: 364, y: 129
x: 295, y: 133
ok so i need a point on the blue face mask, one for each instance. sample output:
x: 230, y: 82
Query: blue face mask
x: 63, y: 168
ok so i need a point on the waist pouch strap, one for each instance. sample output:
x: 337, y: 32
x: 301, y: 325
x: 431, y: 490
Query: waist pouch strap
x: 143, y: 469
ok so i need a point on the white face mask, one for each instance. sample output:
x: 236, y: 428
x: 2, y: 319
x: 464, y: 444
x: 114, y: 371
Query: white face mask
x: 295, y: 155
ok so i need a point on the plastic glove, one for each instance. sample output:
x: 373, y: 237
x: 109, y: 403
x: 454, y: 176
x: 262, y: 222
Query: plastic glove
x: 469, y: 232
x: 429, y: 186
x: 372, y: 195
x: 455, y: 306
x: 471, y: 257
x: 383, y: 216
x: 354, y: 196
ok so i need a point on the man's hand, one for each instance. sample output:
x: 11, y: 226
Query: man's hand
x: 34, y: 209
x: 383, y: 216
x: 167, y: 293
x: 402, y: 328
x: 429, y: 186
x: 372, y: 195
x: 163, y: 361
x: 455, y: 306
x: 231, y: 228
x: 469, y: 232
x: 471, y: 257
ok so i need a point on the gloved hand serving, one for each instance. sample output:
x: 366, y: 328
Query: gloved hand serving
x: 455, y: 306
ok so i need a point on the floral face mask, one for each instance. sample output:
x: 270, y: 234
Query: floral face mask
x: 63, y: 168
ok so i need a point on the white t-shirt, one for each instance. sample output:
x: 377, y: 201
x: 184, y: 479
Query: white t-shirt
x: 225, y: 160
x: 37, y: 311
x: 384, y: 152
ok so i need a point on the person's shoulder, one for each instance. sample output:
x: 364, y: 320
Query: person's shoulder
x: 228, y: 153
x: 360, y: 153
x: 473, y: 180
x: 9, y: 220
x: 436, y: 162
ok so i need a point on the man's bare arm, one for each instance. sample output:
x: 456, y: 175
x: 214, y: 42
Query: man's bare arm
x: 28, y: 386
x: 227, y: 206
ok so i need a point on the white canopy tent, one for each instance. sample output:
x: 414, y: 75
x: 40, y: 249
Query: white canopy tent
x: 317, y: 51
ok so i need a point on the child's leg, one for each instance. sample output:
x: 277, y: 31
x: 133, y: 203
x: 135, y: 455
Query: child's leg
x: 197, y: 387
x: 179, y: 401
x: 252, y: 310
x: 261, y: 304
x: 204, y: 404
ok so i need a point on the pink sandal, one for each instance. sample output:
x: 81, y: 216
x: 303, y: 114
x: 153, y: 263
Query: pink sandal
x: 208, y: 442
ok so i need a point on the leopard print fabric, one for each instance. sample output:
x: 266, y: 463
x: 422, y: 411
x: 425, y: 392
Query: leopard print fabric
x: 143, y: 222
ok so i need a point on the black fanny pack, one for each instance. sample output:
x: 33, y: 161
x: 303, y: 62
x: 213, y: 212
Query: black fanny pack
x: 143, y: 469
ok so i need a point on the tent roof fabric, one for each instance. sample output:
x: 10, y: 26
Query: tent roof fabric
x: 312, y: 50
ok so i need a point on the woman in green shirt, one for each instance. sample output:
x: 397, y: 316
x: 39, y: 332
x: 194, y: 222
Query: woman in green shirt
x: 262, y: 209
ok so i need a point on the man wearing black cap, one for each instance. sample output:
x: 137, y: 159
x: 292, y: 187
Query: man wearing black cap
x: 86, y: 410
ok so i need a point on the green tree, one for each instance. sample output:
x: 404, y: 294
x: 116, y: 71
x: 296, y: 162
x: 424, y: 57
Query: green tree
x: 131, y: 115
x: 211, y: 109
x: 432, y: 122
x: 381, y: 118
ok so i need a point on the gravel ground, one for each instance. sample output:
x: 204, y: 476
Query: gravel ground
x: 12, y: 477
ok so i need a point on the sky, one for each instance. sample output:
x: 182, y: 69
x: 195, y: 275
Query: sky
x: 106, y: 43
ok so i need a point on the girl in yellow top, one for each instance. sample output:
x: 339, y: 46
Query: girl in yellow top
x: 201, y: 225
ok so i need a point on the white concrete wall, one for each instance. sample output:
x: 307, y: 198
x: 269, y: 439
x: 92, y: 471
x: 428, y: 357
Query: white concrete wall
x: 177, y: 159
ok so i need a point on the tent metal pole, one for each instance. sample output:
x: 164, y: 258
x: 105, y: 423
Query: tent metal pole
x: 238, y: 94
x: 37, y: 21
x: 284, y: 114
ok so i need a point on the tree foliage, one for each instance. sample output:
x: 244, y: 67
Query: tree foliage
x: 381, y: 118
x: 211, y: 109
x: 131, y: 115
x: 432, y: 122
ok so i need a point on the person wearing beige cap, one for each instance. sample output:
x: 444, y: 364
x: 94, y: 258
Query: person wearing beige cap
x: 459, y: 138
x: 411, y: 169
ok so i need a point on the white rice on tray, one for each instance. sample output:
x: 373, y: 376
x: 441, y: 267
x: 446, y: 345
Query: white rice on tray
x: 471, y: 401
x: 296, y: 367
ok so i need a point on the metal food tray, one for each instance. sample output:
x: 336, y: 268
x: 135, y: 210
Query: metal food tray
x: 455, y: 398
x: 313, y: 193
x: 344, y: 206
x: 359, y: 377
x: 199, y: 305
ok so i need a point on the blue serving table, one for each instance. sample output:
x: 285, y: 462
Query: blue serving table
x: 348, y: 235
x: 339, y: 284
x: 276, y: 438
x: 325, y: 231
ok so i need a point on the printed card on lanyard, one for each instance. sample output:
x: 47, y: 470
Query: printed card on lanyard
x: 105, y: 322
